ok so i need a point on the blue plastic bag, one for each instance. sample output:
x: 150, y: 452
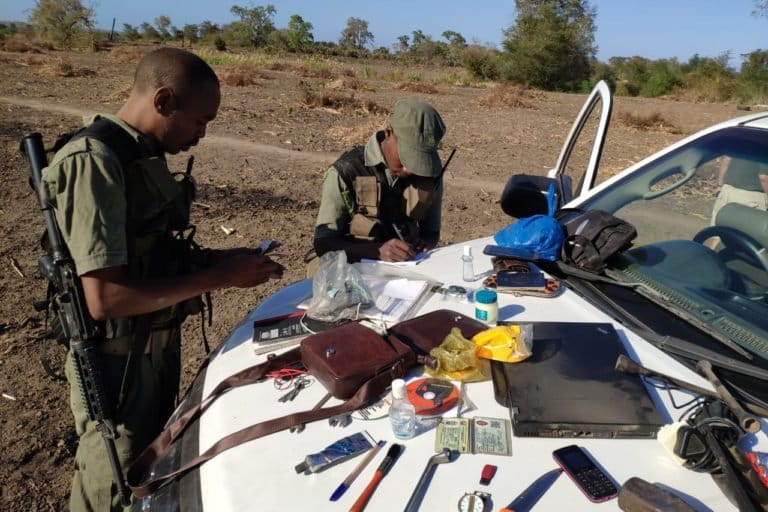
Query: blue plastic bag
x: 540, y: 235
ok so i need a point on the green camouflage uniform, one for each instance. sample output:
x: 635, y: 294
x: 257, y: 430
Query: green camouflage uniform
x: 333, y: 216
x: 110, y: 216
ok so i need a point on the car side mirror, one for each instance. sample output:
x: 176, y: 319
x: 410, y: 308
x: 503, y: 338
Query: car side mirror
x: 526, y: 195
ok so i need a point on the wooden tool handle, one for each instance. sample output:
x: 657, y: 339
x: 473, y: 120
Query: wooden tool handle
x: 748, y: 422
x: 362, y: 500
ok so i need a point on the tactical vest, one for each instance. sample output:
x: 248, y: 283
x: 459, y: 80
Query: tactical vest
x: 158, y: 234
x: 376, y: 207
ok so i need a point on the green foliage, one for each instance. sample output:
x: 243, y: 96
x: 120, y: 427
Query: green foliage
x: 356, y: 34
x: 299, y: 33
x: 663, y: 77
x: 209, y: 29
x: 551, y: 44
x: 130, y: 33
x: 754, y: 77
x: 220, y: 44
x: 149, y: 32
x: 402, y: 44
x: 413, y: 77
x: 163, y: 24
x: 255, y: 25
x: 60, y: 21
x: 454, y: 39
x: 191, y: 33
x: 481, y: 62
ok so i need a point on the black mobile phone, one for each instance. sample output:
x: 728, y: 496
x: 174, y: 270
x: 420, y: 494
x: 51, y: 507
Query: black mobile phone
x: 592, y: 481
x: 521, y: 280
x: 511, y: 252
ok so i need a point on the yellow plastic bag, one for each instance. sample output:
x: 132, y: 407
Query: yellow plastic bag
x: 456, y: 359
x: 506, y: 343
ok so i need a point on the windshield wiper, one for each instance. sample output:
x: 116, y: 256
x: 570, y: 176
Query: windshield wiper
x: 672, y: 344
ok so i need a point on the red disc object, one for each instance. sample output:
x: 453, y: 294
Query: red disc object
x: 432, y: 396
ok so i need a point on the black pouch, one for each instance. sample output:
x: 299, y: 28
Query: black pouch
x: 591, y: 237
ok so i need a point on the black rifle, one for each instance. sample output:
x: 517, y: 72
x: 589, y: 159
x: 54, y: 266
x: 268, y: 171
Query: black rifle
x: 68, y: 303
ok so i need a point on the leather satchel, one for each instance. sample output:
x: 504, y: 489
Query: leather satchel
x: 352, y: 361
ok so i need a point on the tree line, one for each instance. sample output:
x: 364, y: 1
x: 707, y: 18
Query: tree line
x: 550, y: 46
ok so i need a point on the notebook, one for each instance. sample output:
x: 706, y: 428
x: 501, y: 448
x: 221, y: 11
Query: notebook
x: 569, y: 387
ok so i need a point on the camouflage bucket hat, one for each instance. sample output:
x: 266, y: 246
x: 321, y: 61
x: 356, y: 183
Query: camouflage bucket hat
x: 419, y: 130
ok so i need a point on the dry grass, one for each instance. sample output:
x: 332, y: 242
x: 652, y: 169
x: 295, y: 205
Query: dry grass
x: 349, y: 83
x: 359, y: 134
x: 513, y: 96
x: 654, y: 122
x: 64, y: 69
x: 129, y: 54
x: 238, y: 79
x: 417, y: 87
x: 338, y: 102
x: 19, y: 44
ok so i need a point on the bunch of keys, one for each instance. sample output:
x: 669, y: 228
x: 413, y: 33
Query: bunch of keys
x: 298, y: 384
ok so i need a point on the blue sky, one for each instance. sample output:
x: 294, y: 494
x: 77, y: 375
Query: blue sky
x: 650, y: 28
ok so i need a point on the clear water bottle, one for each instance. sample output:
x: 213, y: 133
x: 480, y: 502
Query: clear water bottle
x: 402, y: 414
x: 467, y: 270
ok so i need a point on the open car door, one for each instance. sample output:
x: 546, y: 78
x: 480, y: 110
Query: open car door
x: 584, y: 175
x: 525, y: 195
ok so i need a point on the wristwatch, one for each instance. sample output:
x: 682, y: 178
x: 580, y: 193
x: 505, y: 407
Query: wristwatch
x: 474, y: 502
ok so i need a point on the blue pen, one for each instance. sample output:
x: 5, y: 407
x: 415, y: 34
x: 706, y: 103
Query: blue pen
x: 343, y: 486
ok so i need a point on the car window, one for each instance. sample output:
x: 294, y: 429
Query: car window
x: 700, y: 215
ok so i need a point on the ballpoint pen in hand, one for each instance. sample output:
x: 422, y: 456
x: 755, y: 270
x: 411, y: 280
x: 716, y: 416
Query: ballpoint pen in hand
x: 343, y: 486
x: 381, y: 471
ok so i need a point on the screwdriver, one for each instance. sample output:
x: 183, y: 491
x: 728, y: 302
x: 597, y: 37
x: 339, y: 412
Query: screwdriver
x: 381, y: 471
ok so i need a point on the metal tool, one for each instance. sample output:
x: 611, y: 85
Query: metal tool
x: 300, y: 384
x: 300, y: 427
x: 447, y: 455
x: 748, y: 422
x: 340, y: 420
x: 528, y: 498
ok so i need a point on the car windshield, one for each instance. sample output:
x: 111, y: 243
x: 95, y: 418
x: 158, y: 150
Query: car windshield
x: 700, y: 214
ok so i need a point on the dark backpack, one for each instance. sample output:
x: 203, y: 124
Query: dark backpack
x: 591, y: 237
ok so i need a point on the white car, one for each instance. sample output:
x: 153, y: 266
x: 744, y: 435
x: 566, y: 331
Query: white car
x: 686, y: 279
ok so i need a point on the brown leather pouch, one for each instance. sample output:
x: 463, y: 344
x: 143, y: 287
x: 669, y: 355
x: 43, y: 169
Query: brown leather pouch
x: 345, y: 357
x: 426, y: 332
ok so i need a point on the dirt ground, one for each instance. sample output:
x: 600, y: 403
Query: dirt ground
x: 259, y: 172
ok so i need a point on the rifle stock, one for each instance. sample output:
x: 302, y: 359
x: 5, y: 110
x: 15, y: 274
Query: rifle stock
x: 68, y: 302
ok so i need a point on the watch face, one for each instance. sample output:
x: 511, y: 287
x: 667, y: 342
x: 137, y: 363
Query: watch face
x: 472, y: 502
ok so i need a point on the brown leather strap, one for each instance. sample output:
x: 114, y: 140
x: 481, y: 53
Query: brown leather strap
x: 369, y: 391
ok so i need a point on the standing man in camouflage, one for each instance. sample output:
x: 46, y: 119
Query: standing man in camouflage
x: 124, y: 218
x: 383, y: 201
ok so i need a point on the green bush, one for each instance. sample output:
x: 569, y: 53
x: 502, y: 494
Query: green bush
x: 220, y: 44
x: 481, y: 62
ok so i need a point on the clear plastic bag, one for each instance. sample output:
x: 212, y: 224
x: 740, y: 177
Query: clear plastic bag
x: 338, y: 292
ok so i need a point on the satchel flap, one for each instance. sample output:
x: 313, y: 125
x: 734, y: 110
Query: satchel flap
x: 349, y: 351
x: 427, y: 331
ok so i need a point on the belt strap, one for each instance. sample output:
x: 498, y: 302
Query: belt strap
x: 369, y: 391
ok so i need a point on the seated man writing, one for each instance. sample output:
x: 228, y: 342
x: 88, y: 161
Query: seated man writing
x: 383, y: 201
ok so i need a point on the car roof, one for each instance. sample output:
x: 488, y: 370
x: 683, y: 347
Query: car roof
x: 759, y: 120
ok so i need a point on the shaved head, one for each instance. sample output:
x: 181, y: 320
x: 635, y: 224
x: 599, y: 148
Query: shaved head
x: 177, y: 69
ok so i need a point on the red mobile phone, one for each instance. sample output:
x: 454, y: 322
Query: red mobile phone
x: 587, y: 476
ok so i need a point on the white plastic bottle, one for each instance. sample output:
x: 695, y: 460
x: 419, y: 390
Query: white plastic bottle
x: 467, y: 270
x: 402, y: 414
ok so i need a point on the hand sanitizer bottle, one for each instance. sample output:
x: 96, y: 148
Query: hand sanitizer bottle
x: 402, y: 414
x: 467, y: 271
